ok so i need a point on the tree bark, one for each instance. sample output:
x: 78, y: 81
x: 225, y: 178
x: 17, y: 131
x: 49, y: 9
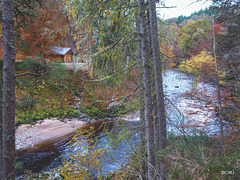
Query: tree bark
x: 74, y: 56
x: 218, y: 89
x: 1, y: 97
x: 141, y: 98
x: 147, y: 92
x: 161, y: 118
x: 8, y: 141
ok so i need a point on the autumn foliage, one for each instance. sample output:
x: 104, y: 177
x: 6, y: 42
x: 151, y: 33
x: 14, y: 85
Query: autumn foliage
x: 50, y: 95
x: 88, y: 161
x: 45, y: 30
x: 108, y: 96
x: 199, y: 64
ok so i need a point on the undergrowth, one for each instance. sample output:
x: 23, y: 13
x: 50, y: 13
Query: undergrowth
x: 58, y: 91
x: 50, y: 95
x: 199, y: 157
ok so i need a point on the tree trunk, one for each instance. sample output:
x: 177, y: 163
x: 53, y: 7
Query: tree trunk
x: 147, y: 92
x: 141, y: 98
x: 218, y: 90
x: 8, y: 141
x: 161, y: 118
x: 1, y: 137
x: 74, y: 56
x: 72, y: 31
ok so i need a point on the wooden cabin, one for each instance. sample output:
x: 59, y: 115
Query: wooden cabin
x: 64, y: 54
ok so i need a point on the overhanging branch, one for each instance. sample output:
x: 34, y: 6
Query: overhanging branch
x: 28, y: 73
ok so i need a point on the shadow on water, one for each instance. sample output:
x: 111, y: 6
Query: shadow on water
x: 48, y: 154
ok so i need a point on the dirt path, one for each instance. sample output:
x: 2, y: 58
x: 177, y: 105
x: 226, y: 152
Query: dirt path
x: 29, y: 135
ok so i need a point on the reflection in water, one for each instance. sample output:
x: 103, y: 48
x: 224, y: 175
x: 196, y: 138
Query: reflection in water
x: 48, y: 155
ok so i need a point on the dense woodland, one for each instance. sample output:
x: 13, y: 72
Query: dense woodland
x: 127, y: 49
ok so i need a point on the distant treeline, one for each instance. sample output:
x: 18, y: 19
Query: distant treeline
x: 181, y: 18
x: 207, y: 11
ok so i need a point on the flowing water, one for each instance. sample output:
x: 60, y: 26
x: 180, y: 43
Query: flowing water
x: 185, y: 111
x: 48, y: 155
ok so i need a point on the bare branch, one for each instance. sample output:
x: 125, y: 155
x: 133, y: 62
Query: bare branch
x: 112, y: 100
x: 108, y: 77
x: 28, y: 73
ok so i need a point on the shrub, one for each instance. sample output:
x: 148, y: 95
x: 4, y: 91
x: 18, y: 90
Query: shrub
x: 202, y: 63
x: 26, y: 103
x: 89, y: 161
x: 33, y: 66
x: 51, y: 95
x: 198, y: 157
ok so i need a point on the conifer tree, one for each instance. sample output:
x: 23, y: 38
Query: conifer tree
x: 8, y: 122
x: 147, y: 91
x: 161, y: 119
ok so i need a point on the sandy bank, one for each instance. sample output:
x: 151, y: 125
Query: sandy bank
x: 29, y: 135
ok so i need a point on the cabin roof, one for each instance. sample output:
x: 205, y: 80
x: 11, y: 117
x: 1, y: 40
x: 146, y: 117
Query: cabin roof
x: 60, y: 50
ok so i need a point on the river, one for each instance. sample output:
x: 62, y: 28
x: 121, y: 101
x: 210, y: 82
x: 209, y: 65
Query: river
x: 48, y: 155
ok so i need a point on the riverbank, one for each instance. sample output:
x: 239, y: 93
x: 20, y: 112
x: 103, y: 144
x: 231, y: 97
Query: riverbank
x: 28, y: 135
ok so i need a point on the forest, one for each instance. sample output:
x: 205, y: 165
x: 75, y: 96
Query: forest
x: 106, y: 89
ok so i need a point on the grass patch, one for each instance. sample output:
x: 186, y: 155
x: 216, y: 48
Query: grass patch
x: 199, y: 157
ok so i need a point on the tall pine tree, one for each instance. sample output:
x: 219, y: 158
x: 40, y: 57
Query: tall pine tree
x: 8, y: 121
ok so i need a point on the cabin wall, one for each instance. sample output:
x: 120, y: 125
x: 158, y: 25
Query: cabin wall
x: 54, y: 57
x: 68, y: 57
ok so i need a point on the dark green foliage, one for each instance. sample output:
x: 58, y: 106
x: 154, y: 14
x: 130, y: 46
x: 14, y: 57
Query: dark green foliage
x: 28, y: 117
x: 25, y: 10
x: 102, y: 113
x: 18, y: 165
x: 181, y: 18
x: 33, y: 66
x: 50, y: 95
x: 26, y: 103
